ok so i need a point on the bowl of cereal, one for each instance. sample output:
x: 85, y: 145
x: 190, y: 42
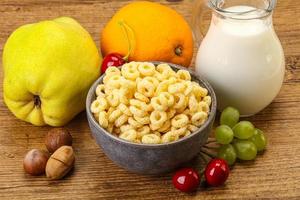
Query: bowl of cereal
x: 150, y: 117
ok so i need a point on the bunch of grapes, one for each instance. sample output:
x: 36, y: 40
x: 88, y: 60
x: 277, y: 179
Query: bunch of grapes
x: 238, y: 139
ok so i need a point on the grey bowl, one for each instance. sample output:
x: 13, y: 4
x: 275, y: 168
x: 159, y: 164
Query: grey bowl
x: 146, y: 158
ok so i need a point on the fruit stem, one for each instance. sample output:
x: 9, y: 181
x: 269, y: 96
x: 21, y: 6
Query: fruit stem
x: 37, y: 101
x: 126, y: 28
x: 210, y: 154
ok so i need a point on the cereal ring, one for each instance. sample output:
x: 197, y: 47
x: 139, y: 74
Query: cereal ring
x: 134, y: 123
x: 163, y: 67
x: 169, y: 137
x: 207, y: 100
x: 102, y: 119
x: 187, y: 133
x: 113, y: 99
x: 121, y: 120
x: 115, y: 81
x: 183, y: 75
x: 150, y: 139
x: 152, y: 80
x: 146, y: 88
x: 112, y: 71
x: 193, y: 103
x: 146, y: 69
x: 142, y: 120
x: 129, y: 71
x: 141, y: 97
x: 100, y: 90
x: 180, y: 101
x: 199, y: 118
x: 203, y: 106
x: 176, y: 88
x: 166, y: 97
x: 192, y: 128
x: 180, y: 120
x: 126, y: 127
x: 114, y: 115
x: 188, y: 88
x: 98, y: 105
x: 95, y: 106
x: 129, y: 135
x: 142, y: 131
x: 139, y: 104
x: 199, y: 91
x: 124, y: 109
x: 179, y: 131
x: 160, y: 104
x: 164, y: 71
x: 165, y: 127
x: 137, y: 111
x: 158, y: 117
x: 155, y: 127
x: 162, y: 87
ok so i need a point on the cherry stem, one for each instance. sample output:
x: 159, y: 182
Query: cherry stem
x: 126, y: 28
x: 210, y: 147
x: 211, y: 140
x: 210, y: 154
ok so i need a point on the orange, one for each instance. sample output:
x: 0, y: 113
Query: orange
x: 155, y: 33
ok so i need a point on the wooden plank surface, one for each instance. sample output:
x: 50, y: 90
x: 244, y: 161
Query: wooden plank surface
x: 273, y: 175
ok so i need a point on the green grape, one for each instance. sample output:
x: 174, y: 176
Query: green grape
x: 243, y: 130
x: 230, y: 117
x: 224, y: 134
x: 245, y: 149
x: 227, y: 153
x: 259, y: 140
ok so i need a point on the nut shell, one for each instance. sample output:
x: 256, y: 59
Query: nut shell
x: 60, y: 163
x: 35, y: 161
x: 56, y: 138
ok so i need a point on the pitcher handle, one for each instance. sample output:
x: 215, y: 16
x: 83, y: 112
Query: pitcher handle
x: 197, y: 18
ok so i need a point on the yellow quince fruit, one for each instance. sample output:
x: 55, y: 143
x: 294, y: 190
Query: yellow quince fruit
x: 48, y: 69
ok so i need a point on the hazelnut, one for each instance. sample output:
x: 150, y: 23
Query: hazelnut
x: 56, y: 138
x: 35, y: 161
x: 60, y: 163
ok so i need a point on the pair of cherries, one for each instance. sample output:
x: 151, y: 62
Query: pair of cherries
x: 216, y: 173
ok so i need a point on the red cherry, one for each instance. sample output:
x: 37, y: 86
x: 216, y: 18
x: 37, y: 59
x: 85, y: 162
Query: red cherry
x: 112, y: 59
x: 186, y: 180
x: 216, y: 172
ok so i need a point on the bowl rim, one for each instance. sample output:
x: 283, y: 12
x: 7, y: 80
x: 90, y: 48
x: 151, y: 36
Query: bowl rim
x: 200, y: 79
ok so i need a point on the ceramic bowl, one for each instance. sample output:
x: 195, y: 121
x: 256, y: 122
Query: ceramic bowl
x: 146, y: 158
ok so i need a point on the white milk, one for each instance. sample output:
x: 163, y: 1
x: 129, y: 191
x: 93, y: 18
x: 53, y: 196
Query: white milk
x: 243, y: 60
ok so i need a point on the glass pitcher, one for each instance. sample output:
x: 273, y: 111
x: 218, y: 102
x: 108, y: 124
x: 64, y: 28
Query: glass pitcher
x: 241, y: 55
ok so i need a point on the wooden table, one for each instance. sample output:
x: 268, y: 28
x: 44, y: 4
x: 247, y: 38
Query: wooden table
x: 273, y: 175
